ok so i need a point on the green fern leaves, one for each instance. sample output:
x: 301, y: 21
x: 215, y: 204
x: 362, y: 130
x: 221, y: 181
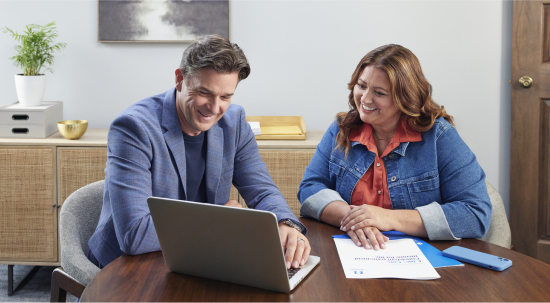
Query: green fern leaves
x: 36, y: 48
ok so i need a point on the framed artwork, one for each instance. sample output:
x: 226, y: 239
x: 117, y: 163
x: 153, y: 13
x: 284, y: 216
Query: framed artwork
x: 180, y: 21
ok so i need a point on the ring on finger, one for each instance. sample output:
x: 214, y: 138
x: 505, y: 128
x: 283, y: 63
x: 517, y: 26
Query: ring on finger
x: 301, y: 240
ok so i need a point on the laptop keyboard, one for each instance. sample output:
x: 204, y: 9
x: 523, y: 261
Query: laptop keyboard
x: 292, y: 272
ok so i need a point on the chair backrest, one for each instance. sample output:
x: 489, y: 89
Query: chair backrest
x: 78, y: 220
x: 499, y: 232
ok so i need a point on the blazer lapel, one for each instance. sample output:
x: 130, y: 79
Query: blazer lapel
x: 214, y: 159
x: 173, y: 135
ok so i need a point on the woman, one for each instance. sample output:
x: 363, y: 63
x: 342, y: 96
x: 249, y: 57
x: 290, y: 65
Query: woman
x: 395, y: 161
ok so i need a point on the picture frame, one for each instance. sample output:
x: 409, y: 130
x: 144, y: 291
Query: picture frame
x: 161, y: 21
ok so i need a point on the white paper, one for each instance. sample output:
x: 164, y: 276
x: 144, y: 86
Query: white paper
x: 400, y: 259
x: 255, y: 125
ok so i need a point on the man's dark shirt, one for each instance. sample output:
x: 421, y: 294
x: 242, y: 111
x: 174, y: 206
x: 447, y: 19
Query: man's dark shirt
x: 195, y: 161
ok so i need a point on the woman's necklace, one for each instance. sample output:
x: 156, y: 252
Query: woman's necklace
x: 382, y: 139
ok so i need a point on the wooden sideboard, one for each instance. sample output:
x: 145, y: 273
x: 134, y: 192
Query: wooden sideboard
x: 37, y: 175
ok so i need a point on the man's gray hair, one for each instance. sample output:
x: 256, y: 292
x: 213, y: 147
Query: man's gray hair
x: 215, y: 52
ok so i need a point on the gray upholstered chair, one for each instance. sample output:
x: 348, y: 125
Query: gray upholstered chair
x: 499, y: 232
x: 78, y: 219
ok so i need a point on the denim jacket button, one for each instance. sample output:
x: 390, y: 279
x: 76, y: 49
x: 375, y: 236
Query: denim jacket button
x: 390, y: 156
x: 393, y: 179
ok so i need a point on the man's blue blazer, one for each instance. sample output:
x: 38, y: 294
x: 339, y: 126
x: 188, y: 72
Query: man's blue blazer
x: 146, y: 157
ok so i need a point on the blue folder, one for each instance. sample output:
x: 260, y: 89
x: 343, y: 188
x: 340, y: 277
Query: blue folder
x: 434, y: 255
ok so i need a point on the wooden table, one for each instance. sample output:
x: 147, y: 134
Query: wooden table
x: 146, y: 278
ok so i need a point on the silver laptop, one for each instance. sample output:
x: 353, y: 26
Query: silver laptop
x: 229, y: 244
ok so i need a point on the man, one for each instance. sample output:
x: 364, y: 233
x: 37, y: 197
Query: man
x: 188, y: 143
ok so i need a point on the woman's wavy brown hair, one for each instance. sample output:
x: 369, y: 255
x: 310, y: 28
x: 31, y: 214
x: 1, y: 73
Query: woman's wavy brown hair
x: 410, y: 90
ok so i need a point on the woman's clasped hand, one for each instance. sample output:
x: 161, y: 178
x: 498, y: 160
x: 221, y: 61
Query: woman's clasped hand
x: 363, y: 224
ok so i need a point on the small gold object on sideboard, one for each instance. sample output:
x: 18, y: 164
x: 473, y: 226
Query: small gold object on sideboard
x: 72, y: 129
x: 280, y: 127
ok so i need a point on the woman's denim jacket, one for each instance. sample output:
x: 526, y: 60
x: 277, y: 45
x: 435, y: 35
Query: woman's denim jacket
x: 438, y: 176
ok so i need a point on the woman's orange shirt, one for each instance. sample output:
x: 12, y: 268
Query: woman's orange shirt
x: 372, y: 188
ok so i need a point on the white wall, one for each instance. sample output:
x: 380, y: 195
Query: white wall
x: 302, y: 54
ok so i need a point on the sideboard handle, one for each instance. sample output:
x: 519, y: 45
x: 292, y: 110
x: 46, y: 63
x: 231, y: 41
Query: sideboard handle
x: 20, y: 130
x: 20, y: 117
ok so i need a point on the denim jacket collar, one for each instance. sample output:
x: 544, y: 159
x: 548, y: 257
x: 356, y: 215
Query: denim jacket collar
x: 399, y: 150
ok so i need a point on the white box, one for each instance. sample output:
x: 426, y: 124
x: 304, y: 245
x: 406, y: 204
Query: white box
x: 18, y: 121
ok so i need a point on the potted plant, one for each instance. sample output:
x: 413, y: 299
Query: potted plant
x: 33, y: 54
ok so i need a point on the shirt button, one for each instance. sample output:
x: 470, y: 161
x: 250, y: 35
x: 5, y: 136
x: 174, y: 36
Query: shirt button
x: 393, y: 179
x: 379, y: 192
x: 378, y: 164
x: 390, y: 156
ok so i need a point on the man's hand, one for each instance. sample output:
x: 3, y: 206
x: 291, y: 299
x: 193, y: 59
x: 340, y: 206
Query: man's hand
x: 295, y: 245
x: 233, y: 203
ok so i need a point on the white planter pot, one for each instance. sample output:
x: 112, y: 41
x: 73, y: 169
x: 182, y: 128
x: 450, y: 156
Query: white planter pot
x: 30, y: 89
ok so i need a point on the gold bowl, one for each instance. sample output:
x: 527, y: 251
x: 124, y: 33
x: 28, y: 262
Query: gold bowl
x: 72, y: 129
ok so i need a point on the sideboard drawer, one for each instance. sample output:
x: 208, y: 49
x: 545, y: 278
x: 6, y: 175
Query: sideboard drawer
x: 28, y: 208
x: 79, y: 166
